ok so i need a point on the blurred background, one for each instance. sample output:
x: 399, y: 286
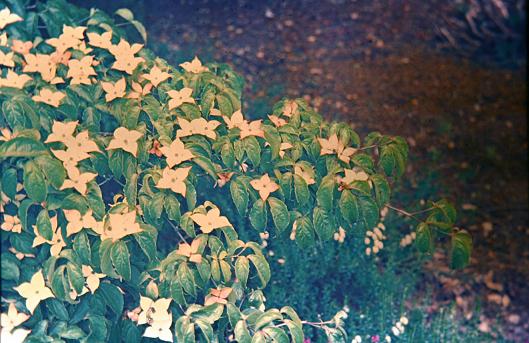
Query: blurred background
x: 449, y: 76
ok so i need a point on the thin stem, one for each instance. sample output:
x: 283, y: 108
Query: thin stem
x: 403, y: 212
x: 177, y: 231
x: 368, y: 147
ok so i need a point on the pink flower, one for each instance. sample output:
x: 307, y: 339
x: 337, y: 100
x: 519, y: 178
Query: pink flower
x: 306, y: 340
x: 375, y: 339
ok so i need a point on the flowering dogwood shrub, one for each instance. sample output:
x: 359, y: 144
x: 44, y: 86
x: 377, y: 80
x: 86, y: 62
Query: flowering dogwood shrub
x: 131, y: 189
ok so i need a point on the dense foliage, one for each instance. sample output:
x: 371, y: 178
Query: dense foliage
x: 132, y: 190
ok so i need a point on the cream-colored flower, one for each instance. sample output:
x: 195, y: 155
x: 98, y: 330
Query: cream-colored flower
x: 190, y: 251
x: 7, y: 18
x: 125, y: 56
x: 180, y: 97
x: 77, y: 180
x: 43, y: 64
x: 70, y: 38
x: 103, y: 41
x: 49, y: 97
x: 198, y: 126
x: 76, y: 221
x: 211, y: 220
x: 283, y: 147
x: 160, y: 328
x: 176, y: 153
x: 121, y: 225
x: 306, y: 172
x: 6, y: 59
x: 352, y: 175
x: 174, y: 180
x: 156, y: 76
x: 334, y: 146
x: 152, y: 310
x: 251, y: 129
x: 34, y: 291
x: 81, y: 70
x: 70, y: 157
x: 290, y: 108
x: 264, y: 186
x: 82, y: 144
x: 92, y: 278
x: 21, y: 47
x: 62, y: 132
x: 15, y: 80
x: 12, y: 318
x: 56, y: 242
x: 195, y: 66
x: 278, y: 122
x: 126, y: 140
x: 114, y: 90
x: 15, y: 336
x: 11, y: 224
x: 218, y: 296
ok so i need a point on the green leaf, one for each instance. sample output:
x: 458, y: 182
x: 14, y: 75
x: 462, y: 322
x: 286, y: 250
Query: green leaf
x: 81, y: 245
x: 280, y: 214
x: 172, y: 207
x: 424, y: 238
x: 9, y: 183
x: 242, y: 335
x: 23, y: 213
x: 253, y: 150
x: 370, y: 211
x: 22, y: 147
x: 258, y: 215
x: 323, y: 224
x: 276, y: 334
x: 44, y: 225
x: 240, y: 196
x: 34, y: 182
x: 9, y: 268
x: 147, y: 243
x: 75, y: 201
x: 112, y: 296
x: 95, y: 200
x: 53, y: 170
x: 206, y: 165
x: 325, y: 193
x: 304, y: 232
x: 301, y: 190
x: 461, y: 249
x: 242, y: 269
x: 125, y: 13
x: 121, y: 259
x: 72, y: 332
x: 381, y: 188
x: 234, y: 314
x: 262, y: 267
x: 75, y: 276
x: 227, y: 154
x: 58, y: 309
x: 349, y: 207
x: 267, y: 318
x: 131, y: 189
x: 105, y: 259
x: 296, y: 331
x: 185, y: 276
x: 207, y: 330
x: 59, y: 284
